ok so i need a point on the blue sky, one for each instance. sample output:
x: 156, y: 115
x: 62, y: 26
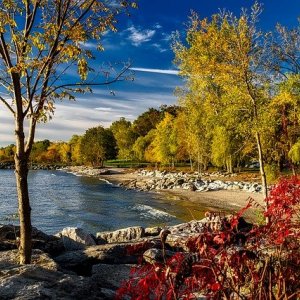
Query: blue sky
x: 143, y: 38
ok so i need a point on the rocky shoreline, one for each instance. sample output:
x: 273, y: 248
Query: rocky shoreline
x: 11, y: 166
x: 74, y: 264
x: 211, y: 191
x: 162, y: 180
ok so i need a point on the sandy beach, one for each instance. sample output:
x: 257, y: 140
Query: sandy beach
x: 221, y: 200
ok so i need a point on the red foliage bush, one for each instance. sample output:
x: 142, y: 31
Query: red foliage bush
x: 234, y: 262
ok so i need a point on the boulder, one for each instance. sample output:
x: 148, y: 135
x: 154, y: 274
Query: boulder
x: 9, y: 236
x: 179, y: 241
x: 119, y: 274
x: 41, y: 280
x: 121, y: 235
x: 76, y: 238
x: 81, y: 261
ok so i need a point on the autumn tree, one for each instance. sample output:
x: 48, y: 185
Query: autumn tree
x: 222, y: 59
x: 284, y: 63
x: 38, y: 149
x: 97, y: 144
x: 7, y: 153
x: 39, y: 42
x: 165, y: 143
x: 75, y: 145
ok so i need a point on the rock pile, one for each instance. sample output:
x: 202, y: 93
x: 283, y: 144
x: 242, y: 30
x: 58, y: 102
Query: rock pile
x: 74, y: 264
x: 161, y: 180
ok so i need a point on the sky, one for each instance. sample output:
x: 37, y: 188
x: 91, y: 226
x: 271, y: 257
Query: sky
x: 144, y: 38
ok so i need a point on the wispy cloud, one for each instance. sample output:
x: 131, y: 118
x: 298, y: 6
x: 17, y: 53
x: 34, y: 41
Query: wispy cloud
x: 157, y: 26
x: 139, y: 36
x: 100, y: 108
x: 159, y: 47
x: 160, y: 71
x: 88, y: 45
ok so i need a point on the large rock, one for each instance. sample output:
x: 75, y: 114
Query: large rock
x: 118, y: 273
x: 41, y: 280
x: 9, y: 239
x: 121, y: 235
x: 81, y: 261
x: 76, y: 238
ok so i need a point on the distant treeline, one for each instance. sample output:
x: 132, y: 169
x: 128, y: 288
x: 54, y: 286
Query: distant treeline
x: 240, y: 104
x: 156, y: 136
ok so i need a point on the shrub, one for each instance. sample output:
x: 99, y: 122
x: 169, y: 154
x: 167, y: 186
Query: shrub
x: 234, y: 262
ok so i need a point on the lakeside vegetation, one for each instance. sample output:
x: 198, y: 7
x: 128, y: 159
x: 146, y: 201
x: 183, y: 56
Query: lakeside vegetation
x: 240, y: 104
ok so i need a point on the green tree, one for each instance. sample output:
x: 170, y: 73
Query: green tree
x: 146, y: 121
x: 125, y: 137
x: 97, y: 145
x: 39, y: 41
x: 141, y: 145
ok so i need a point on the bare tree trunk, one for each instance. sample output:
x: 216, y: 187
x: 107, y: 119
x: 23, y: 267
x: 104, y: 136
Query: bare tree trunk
x: 191, y: 162
x: 262, y: 171
x: 21, y: 172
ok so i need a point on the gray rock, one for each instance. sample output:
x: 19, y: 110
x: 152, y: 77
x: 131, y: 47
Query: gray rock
x: 41, y: 281
x: 75, y: 238
x: 81, y: 261
x: 9, y: 235
x: 121, y: 235
x: 152, y: 231
x: 119, y: 273
x: 179, y: 241
x: 154, y: 255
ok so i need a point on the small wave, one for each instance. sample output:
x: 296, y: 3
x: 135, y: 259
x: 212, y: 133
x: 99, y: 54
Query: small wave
x: 106, y: 181
x: 75, y: 174
x: 147, y: 212
x: 53, y: 174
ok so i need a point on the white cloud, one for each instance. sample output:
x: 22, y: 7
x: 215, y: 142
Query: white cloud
x: 167, y: 37
x: 88, y: 45
x: 160, y: 71
x: 157, y: 26
x: 139, y: 36
x: 159, y: 47
x: 100, y: 108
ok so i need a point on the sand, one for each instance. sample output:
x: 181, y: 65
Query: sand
x: 221, y: 200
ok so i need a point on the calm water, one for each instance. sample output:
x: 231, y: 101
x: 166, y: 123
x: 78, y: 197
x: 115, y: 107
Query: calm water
x: 60, y: 199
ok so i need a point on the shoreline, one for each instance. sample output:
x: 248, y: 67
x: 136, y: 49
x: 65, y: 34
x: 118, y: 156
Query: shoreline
x: 228, y: 201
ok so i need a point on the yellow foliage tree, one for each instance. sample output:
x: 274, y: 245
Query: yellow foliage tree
x: 39, y: 41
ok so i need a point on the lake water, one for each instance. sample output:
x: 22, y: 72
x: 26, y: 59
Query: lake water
x: 60, y: 199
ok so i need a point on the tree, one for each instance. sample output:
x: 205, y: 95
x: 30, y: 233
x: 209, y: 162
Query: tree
x: 165, y: 144
x: 39, y: 148
x: 97, y: 145
x: 125, y: 137
x: 39, y: 41
x: 146, y: 121
x: 141, y: 144
x: 223, y: 57
x: 75, y: 145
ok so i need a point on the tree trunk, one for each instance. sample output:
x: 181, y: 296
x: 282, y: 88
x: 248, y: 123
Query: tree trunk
x: 21, y: 172
x: 191, y: 162
x: 262, y: 171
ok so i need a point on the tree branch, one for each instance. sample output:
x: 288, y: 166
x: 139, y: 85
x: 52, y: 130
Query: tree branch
x: 7, y: 105
x: 86, y: 84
